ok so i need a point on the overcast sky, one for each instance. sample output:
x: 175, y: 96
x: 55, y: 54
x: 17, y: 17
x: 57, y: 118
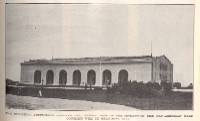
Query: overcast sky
x: 36, y: 31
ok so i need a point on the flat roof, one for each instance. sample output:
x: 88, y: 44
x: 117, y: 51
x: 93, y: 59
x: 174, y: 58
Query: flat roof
x: 91, y: 60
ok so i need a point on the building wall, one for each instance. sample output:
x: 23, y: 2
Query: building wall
x: 136, y: 71
x: 162, y: 69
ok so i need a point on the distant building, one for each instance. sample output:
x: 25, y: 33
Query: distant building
x: 97, y: 71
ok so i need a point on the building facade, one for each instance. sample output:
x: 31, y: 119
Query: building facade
x: 97, y: 71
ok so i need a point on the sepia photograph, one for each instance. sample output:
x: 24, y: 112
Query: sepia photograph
x: 83, y: 57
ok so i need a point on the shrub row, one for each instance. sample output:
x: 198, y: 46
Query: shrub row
x: 141, y: 89
x: 50, y: 92
x: 133, y: 88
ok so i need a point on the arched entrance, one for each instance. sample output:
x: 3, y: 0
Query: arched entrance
x: 37, y: 77
x: 107, y: 76
x: 49, y: 77
x: 123, y: 76
x: 91, y: 77
x: 62, y: 77
x: 76, y: 77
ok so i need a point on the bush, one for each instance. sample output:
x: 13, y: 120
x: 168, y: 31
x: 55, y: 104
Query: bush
x: 98, y: 88
x: 135, y: 88
x: 177, y: 85
x: 190, y: 86
x: 11, y: 82
x: 167, y: 87
x: 153, y: 85
x: 115, y: 88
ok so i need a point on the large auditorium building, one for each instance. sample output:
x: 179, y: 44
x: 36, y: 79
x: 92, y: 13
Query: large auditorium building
x: 98, y: 71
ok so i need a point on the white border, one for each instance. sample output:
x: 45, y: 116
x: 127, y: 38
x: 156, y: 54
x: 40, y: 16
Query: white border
x: 195, y: 112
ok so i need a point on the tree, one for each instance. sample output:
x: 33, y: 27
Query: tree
x: 190, y: 86
x: 177, y: 85
x: 166, y: 86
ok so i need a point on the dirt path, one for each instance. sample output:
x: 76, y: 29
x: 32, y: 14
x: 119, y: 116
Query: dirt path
x: 26, y: 102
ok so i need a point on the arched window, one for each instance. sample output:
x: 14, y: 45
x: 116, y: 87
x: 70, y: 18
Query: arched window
x: 49, y: 77
x: 91, y: 77
x: 62, y: 77
x: 107, y: 76
x: 123, y: 76
x: 37, y: 77
x: 76, y: 77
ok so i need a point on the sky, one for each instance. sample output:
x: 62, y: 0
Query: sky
x: 43, y: 31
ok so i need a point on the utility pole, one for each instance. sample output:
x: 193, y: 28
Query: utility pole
x: 151, y: 48
x: 52, y: 52
x: 100, y: 71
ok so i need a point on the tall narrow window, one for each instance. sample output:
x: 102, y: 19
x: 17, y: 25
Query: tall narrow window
x: 76, y: 77
x: 123, y: 76
x: 49, y: 77
x: 91, y: 77
x: 62, y: 77
x: 107, y: 76
x: 37, y: 77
